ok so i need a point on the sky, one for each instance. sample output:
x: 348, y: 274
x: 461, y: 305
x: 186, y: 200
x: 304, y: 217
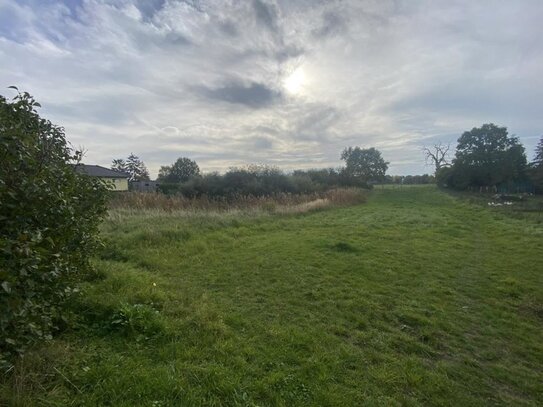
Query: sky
x: 288, y: 83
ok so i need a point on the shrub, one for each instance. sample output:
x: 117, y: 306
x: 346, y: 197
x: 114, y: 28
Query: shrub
x: 49, y: 216
x: 444, y: 177
x: 260, y: 181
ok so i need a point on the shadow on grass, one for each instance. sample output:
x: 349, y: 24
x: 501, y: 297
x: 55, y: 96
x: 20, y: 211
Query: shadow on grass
x: 344, y: 247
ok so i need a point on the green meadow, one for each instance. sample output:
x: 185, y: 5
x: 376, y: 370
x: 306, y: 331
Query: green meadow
x: 416, y: 297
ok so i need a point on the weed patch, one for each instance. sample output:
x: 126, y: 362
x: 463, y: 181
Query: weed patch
x: 141, y: 321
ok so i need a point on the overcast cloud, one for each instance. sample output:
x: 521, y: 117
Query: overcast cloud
x: 289, y: 83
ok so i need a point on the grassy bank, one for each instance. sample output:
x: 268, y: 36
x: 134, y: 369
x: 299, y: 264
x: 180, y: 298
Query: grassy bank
x: 413, y: 298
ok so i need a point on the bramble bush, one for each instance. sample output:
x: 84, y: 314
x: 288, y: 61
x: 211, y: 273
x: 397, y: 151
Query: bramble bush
x: 49, y: 218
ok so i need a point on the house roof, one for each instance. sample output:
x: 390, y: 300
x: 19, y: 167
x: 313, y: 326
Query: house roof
x: 98, y: 171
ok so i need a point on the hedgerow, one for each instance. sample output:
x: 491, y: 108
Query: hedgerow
x: 260, y: 181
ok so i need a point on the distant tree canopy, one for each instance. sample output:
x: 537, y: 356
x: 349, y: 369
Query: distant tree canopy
x: 365, y: 164
x: 260, y: 180
x: 410, y: 179
x: 183, y: 177
x: 133, y: 166
x: 180, y: 171
x: 485, y: 156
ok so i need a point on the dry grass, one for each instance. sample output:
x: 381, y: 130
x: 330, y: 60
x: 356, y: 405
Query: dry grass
x: 35, y: 371
x: 128, y: 203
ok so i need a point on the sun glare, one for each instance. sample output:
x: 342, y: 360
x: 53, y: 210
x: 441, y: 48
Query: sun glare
x: 295, y: 81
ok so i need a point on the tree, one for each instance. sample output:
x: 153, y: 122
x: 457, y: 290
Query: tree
x: 487, y: 156
x: 437, y: 155
x: 118, y: 164
x: 364, y: 164
x: 133, y: 166
x: 180, y: 171
x: 49, y: 218
x: 136, y: 168
x: 538, y: 159
x: 536, y: 170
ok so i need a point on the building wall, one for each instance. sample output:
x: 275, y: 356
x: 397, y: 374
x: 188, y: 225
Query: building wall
x: 144, y: 186
x: 117, y: 184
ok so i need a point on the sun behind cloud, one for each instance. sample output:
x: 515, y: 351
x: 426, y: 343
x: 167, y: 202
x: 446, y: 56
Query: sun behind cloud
x: 294, y: 83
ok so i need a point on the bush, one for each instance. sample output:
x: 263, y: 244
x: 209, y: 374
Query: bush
x: 49, y: 217
x: 444, y: 177
x: 260, y: 181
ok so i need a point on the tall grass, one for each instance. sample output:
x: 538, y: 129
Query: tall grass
x: 128, y: 202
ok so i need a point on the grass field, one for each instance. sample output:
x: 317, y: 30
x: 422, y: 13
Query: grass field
x: 413, y: 298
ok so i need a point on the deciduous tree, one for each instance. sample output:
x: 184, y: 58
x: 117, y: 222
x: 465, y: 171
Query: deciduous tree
x: 180, y: 171
x: 437, y: 155
x: 487, y: 156
x: 365, y: 164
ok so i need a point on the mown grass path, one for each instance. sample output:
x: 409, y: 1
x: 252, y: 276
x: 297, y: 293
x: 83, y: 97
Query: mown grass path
x: 414, y: 298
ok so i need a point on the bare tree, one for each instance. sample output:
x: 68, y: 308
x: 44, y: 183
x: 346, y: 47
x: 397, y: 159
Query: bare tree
x: 437, y: 155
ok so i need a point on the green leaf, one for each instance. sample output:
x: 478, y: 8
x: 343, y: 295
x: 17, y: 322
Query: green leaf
x: 6, y: 286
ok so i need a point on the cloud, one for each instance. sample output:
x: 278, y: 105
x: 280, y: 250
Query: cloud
x: 206, y: 79
x: 229, y: 28
x: 148, y: 8
x: 332, y: 24
x: 262, y: 143
x: 254, y: 95
x: 266, y: 14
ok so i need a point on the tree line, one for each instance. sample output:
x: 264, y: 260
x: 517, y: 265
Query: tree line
x: 363, y: 166
x: 485, y: 156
